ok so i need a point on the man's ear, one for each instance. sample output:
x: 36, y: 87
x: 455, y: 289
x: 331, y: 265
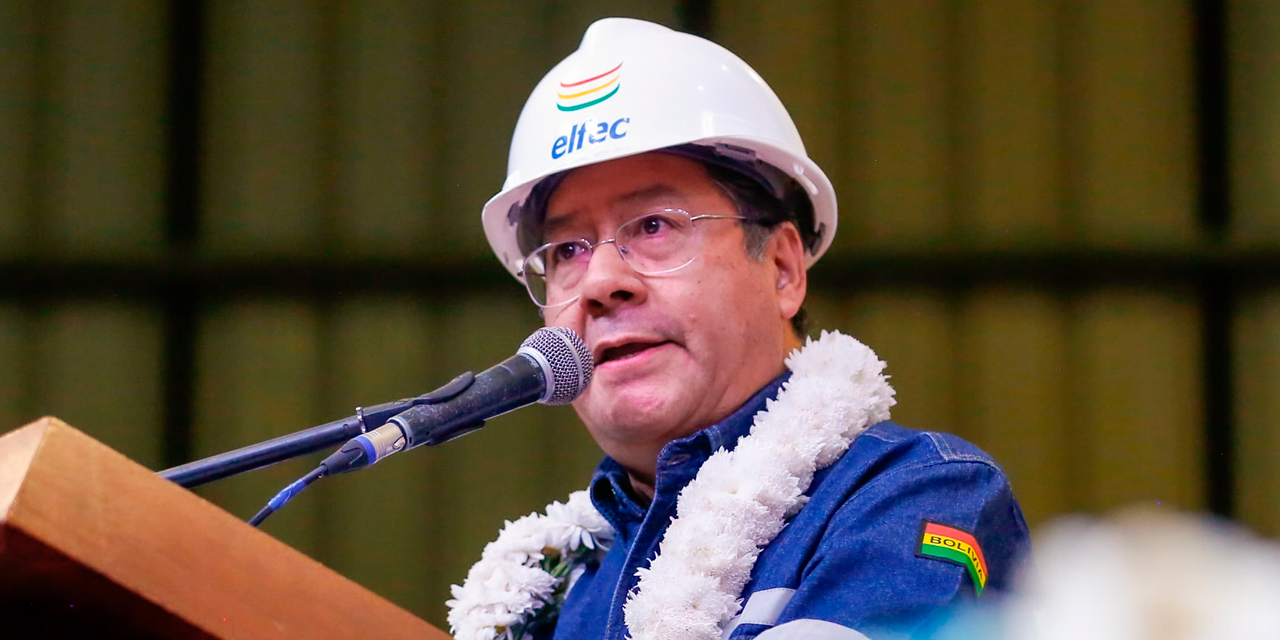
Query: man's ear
x: 786, y: 251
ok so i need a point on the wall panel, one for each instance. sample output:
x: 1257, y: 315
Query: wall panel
x: 1130, y: 121
x: 264, y: 144
x: 15, y: 365
x: 19, y: 128
x: 571, y: 456
x: 1257, y: 416
x: 96, y: 365
x: 103, y: 159
x: 258, y: 376
x: 897, y: 185
x: 384, y: 153
x: 1012, y: 385
x: 1136, y: 406
x: 1254, y: 101
x: 1009, y: 157
x: 826, y: 309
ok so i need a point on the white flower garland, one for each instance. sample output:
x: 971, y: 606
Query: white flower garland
x: 532, y: 564
x: 736, y: 506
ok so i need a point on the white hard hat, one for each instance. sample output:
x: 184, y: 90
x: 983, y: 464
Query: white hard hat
x: 632, y: 87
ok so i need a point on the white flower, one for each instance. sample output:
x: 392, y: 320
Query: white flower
x: 576, y: 525
x: 519, y: 542
x: 508, y: 586
x: 497, y: 595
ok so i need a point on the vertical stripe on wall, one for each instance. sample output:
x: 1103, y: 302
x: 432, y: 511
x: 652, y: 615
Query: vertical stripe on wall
x: 567, y: 20
x: 264, y: 137
x: 15, y: 365
x: 102, y: 159
x: 1254, y: 103
x: 897, y: 185
x: 19, y: 125
x: 1130, y: 122
x: 1257, y: 417
x: 384, y: 124
x: 1009, y: 154
x: 814, y: 93
x: 1136, y: 406
x: 1012, y: 380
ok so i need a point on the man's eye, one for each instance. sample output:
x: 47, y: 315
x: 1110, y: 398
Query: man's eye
x: 567, y: 251
x: 653, y: 225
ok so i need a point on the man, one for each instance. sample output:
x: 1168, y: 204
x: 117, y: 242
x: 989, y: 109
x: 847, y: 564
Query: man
x: 748, y: 493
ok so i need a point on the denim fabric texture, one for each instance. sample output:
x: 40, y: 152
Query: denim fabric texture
x: 850, y: 555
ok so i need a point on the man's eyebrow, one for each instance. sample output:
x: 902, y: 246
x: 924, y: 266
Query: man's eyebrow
x: 551, y: 225
x: 651, y: 192
x: 644, y: 194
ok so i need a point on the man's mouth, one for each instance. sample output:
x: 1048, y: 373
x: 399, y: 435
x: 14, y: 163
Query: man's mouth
x: 628, y: 350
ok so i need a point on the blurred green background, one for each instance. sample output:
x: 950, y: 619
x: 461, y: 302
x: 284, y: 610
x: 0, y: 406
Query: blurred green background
x: 222, y: 221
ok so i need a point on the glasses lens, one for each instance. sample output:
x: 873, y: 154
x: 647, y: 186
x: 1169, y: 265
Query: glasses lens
x: 552, y: 272
x: 657, y: 242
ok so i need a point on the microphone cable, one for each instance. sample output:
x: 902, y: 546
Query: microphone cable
x: 287, y: 494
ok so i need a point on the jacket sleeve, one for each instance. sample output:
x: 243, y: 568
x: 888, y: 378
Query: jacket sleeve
x: 902, y: 549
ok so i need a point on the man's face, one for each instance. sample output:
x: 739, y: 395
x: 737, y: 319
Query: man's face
x: 674, y: 352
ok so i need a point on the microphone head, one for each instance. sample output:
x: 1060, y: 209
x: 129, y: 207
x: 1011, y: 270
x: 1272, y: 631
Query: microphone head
x: 565, y: 360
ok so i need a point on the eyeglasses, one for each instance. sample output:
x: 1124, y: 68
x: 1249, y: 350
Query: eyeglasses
x: 652, y: 244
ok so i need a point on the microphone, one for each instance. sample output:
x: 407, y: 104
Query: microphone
x: 553, y: 366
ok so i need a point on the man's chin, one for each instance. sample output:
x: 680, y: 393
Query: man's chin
x: 634, y: 412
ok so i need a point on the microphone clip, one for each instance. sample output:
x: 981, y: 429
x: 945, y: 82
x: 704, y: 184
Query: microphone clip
x: 375, y: 443
x: 449, y: 391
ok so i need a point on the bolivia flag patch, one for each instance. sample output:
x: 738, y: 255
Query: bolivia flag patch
x: 949, y: 544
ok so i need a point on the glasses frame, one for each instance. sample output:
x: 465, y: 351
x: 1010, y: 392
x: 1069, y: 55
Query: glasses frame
x: 622, y: 251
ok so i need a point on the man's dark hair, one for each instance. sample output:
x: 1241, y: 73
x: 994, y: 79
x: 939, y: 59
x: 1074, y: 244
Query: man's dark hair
x: 766, y: 212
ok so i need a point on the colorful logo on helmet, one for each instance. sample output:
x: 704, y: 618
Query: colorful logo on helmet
x: 592, y: 91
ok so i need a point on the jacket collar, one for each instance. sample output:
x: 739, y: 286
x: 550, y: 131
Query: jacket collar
x: 678, y: 463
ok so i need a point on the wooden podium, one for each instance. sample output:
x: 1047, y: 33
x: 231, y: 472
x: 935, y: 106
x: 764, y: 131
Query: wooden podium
x: 95, y: 545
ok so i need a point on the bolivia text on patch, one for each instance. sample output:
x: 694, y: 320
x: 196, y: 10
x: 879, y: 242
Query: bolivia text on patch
x: 949, y: 544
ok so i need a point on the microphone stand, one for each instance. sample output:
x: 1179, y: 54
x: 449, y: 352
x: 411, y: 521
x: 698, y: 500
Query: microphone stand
x: 300, y: 443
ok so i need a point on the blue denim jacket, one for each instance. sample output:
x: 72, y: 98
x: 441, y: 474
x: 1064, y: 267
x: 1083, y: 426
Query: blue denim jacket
x: 850, y: 564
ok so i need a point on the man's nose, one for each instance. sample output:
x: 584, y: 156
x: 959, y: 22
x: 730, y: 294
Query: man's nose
x: 609, y: 282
